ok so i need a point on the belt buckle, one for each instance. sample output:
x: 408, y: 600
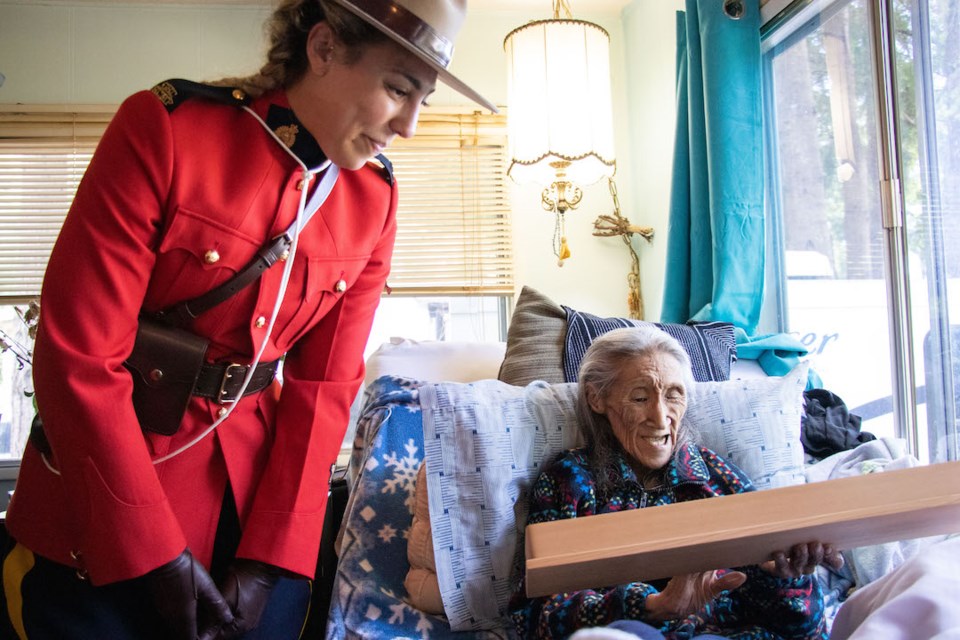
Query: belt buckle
x: 223, y: 396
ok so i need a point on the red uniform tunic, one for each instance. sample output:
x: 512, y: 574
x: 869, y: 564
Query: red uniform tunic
x: 179, y: 197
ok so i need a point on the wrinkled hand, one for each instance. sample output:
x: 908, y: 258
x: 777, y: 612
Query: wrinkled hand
x: 688, y: 593
x: 803, y: 560
x: 247, y: 588
x: 184, y: 595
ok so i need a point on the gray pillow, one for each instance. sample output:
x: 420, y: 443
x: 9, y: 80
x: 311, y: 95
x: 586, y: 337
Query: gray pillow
x: 534, y: 341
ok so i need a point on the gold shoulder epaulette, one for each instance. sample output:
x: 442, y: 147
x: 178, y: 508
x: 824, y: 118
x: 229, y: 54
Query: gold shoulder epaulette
x: 173, y: 93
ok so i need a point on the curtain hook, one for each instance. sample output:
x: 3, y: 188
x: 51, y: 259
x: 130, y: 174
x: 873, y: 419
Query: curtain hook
x: 734, y: 9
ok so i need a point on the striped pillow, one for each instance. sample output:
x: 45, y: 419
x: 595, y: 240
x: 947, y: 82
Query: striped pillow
x: 534, y: 341
x: 711, y: 346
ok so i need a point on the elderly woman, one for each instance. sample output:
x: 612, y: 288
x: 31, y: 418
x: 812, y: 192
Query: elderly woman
x: 640, y: 453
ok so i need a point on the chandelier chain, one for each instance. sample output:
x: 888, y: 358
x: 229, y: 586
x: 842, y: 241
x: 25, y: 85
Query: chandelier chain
x: 558, y: 233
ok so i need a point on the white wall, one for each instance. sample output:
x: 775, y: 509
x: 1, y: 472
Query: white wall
x: 85, y: 52
x: 91, y: 53
x: 650, y: 26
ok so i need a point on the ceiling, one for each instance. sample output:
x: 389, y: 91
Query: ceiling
x: 546, y: 6
x: 539, y: 6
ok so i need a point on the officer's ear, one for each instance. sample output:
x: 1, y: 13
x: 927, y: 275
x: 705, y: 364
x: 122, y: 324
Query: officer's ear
x: 321, y: 42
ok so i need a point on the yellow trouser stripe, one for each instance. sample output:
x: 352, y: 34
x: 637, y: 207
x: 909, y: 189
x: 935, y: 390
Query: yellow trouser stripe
x: 18, y: 562
x: 306, y: 616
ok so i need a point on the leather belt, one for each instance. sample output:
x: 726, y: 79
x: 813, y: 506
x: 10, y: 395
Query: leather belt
x: 221, y: 381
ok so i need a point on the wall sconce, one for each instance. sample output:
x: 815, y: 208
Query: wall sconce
x: 560, y: 117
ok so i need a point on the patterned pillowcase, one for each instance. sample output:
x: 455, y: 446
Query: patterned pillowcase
x: 755, y: 424
x: 484, y: 444
x: 711, y: 346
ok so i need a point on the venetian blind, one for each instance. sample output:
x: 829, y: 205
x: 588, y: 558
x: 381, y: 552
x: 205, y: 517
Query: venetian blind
x: 454, y: 233
x: 44, y: 151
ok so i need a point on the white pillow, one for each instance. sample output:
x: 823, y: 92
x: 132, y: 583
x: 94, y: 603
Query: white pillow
x: 754, y: 423
x: 746, y: 368
x: 428, y: 361
x: 485, y: 443
x: 436, y: 361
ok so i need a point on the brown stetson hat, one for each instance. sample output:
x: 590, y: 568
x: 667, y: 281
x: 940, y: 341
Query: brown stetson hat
x: 425, y: 28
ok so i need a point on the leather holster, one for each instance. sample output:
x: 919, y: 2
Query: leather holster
x: 164, y: 365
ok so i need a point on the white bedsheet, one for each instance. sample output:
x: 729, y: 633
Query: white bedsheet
x: 920, y: 600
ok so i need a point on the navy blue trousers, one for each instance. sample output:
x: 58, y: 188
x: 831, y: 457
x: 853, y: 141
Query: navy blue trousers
x: 56, y: 605
x: 45, y: 600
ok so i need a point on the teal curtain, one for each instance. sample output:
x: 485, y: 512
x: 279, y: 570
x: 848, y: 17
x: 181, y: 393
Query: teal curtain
x: 715, y: 245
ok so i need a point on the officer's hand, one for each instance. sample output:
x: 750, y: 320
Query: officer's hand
x: 186, y: 598
x: 247, y: 588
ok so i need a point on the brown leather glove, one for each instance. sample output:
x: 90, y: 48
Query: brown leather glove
x: 247, y: 588
x: 187, y: 599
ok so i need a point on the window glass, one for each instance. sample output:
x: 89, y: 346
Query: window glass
x: 831, y: 276
x: 459, y: 319
x: 830, y: 288
x: 928, y: 90
x: 16, y: 385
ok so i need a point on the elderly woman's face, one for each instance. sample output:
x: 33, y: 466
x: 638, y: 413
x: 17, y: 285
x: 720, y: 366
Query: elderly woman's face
x: 645, y: 406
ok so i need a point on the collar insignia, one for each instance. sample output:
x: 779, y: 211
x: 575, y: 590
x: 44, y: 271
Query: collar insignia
x: 287, y: 134
x: 292, y: 133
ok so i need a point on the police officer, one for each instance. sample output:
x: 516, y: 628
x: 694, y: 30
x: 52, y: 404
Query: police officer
x: 210, y: 531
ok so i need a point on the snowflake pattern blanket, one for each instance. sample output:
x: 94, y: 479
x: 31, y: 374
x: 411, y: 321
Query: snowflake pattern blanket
x: 368, y: 593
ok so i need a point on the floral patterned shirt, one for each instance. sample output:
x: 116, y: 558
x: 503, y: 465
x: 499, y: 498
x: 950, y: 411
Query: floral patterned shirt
x: 764, y: 607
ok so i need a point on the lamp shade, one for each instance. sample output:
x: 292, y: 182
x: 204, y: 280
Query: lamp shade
x: 559, y: 101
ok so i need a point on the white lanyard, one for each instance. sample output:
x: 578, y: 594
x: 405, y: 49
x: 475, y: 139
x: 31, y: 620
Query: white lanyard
x: 304, y: 213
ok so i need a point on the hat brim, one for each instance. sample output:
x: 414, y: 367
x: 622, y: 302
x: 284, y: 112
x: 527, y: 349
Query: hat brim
x: 443, y: 75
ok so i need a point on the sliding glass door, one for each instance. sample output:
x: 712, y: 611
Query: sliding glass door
x: 863, y: 106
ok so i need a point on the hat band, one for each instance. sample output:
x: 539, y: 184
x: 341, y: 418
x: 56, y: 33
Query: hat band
x: 410, y: 27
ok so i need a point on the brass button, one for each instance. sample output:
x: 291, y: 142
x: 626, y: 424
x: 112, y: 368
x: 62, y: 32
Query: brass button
x: 156, y: 375
x: 300, y: 184
x: 222, y: 412
x: 341, y: 286
x: 211, y: 256
x: 238, y: 94
x: 76, y: 555
x: 260, y: 322
x: 284, y: 255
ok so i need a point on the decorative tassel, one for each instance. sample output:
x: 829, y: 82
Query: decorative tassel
x: 564, y: 251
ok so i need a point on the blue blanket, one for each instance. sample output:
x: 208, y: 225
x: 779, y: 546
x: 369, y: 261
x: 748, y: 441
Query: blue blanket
x: 368, y: 593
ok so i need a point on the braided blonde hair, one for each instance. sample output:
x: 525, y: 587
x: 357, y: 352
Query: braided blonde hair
x: 287, y: 30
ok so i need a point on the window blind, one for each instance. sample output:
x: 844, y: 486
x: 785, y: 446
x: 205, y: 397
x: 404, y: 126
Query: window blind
x: 44, y: 151
x: 454, y: 229
x: 454, y: 233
